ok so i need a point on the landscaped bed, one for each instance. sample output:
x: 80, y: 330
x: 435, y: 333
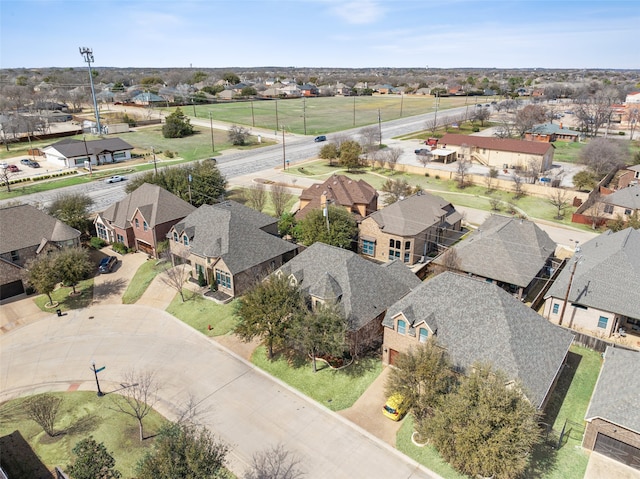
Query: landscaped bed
x: 64, y: 301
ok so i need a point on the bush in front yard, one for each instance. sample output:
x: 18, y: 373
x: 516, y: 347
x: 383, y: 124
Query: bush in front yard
x: 97, y: 243
x: 120, y: 248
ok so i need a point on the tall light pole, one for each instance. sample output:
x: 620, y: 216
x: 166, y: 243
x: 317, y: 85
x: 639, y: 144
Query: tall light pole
x: 213, y: 146
x: 379, y: 130
x: 284, y: 151
x: 155, y: 167
x: 87, y: 53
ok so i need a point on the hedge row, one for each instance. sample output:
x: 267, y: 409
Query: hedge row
x: 43, y: 177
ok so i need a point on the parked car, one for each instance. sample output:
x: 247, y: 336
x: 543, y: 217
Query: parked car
x: 423, y: 151
x: 4, y: 165
x: 396, y: 407
x: 13, y: 168
x: 107, y: 264
x: 33, y: 164
x: 114, y: 179
x: 320, y: 138
x: 25, y: 161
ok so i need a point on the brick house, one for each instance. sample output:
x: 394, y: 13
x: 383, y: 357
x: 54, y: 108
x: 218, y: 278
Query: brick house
x: 408, y: 229
x: 141, y: 219
x: 550, y: 132
x: 603, y: 281
x: 71, y: 153
x: 26, y: 232
x: 623, y: 203
x: 613, y: 423
x: 630, y: 176
x: 357, y: 197
x: 361, y: 288
x: 476, y: 321
x: 231, y: 244
x: 511, y: 252
x: 500, y: 153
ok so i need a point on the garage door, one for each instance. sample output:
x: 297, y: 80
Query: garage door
x: 11, y: 289
x: 618, y: 450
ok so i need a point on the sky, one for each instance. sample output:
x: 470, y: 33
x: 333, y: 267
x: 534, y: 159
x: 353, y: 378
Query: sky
x: 321, y: 33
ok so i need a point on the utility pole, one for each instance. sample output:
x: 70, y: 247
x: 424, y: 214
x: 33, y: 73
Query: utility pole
x: 253, y: 118
x: 566, y: 296
x: 155, y: 168
x: 379, y: 130
x: 277, y: 121
x: 213, y: 147
x: 304, y: 114
x: 401, y: 102
x: 87, y: 53
x: 284, y: 152
x: 325, y: 210
x: 354, y: 110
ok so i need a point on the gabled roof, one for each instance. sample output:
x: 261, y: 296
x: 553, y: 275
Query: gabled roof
x: 552, y: 129
x: 72, y: 148
x: 477, y: 321
x: 25, y: 226
x: 367, y: 289
x: 615, y: 397
x: 505, y: 249
x: 499, y: 144
x: 607, y: 275
x: 341, y: 190
x: 147, y: 96
x: 156, y: 205
x: 411, y: 216
x: 233, y: 232
x: 626, y: 197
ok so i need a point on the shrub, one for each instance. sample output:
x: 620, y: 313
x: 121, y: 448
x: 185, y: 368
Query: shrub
x: 621, y: 133
x: 437, y: 177
x: 427, y: 175
x: 97, y: 243
x: 120, y: 248
x: 168, y: 153
x: 476, y: 129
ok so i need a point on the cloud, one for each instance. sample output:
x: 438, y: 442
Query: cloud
x: 359, y: 12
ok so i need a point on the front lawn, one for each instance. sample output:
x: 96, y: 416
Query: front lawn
x: 66, y: 302
x: 142, y: 279
x: 81, y: 414
x: 335, y: 389
x: 200, y: 313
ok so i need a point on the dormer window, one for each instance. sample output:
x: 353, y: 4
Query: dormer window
x: 402, y: 327
x: 293, y: 281
x: 423, y: 334
x: 137, y: 223
x: 185, y: 240
x: 145, y: 226
x: 175, y: 237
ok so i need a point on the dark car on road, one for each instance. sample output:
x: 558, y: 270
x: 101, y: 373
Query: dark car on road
x: 31, y: 163
x: 107, y: 264
x: 423, y: 152
x: 320, y: 138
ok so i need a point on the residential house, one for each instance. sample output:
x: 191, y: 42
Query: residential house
x: 550, y: 132
x: 511, y: 252
x: 409, y: 229
x: 362, y: 289
x: 500, y: 153
x: 234, y: 246
x: 601, y: 284
x: 633, y: 98
x: 26, y: 232
x: 623, y: 203
x: 148, y: 98
x: 141, y: 219
x: 630, y: 176
x: 69, y: 153
x: 613, y: 422
x: 309, y: 90
x: 476, y: 321
x: 357, y: 197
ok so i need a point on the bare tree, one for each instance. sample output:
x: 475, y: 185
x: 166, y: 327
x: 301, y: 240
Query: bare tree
x: 176, y: 277
x: 481, y: 115
x: 138, y: 396
x: 491, y: 175
x: 461, y: 171
x: 5, y: 177
x: 518, y: 185
x: 370, y: 139
x: 275, y: 463
x: 391, y: 157
x: 256, y: 196
x: 43, y: 409
x: 596, y: 211
x: 395, y: 190
x: 280, y: 197
x: 601, y: 155
x: 559, y: 199
x: 495, y: 203
x: 529, y: 116
x: 504, y: 130
x: 633, y: 118
x: 593, y: 113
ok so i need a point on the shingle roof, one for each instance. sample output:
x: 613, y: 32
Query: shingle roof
x: 341, y: 189
x: 626, y: 197
x: 233, y: 232
x: 500, y: 144
x: 552, y: 129
x: 72, y: 148
x: 24, y: 226
x: 156, y: 205
x: 505, y: 249
x: 607, y: 275
x: 615, y: 397
x: 412, y: 215
x: 479, y: 322
x: 367, y: 288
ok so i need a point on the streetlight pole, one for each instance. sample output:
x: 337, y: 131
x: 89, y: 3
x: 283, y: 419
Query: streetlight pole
x: 213, y: 147
x: 155, y: 167
x: 379, y: 130
x: 304, y: 114
x: 87, y: 53
x: 95, y: 373
x: 284, y: 155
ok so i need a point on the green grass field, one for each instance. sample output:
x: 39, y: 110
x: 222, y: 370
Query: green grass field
x: 82, y: 414
x: 66, y: 302
x: 142, y: 279
x: 200, y: 313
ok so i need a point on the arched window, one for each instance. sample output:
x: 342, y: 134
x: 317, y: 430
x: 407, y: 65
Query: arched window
x: 175, y: 237
x: 423, y: 335
x: 402, y: 326
x: 185, y: 240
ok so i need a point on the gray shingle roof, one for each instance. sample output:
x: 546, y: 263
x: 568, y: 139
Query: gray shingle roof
x: 156, y: 205
x: 607, y: 275
x: 233, y: 232
x: 24, y: 226
x: 367, y: 288
x: 478, y: 321
x: 615, y: 398
x: 72, y: 148
x: 551, y: 129
x: 505, y: 249
x: 414, y: 214
x: 626, y: 197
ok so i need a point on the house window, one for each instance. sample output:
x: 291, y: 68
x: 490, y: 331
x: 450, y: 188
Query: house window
x: 368, y: 247
x: 602, y: 322
x: 145, y: 226
x: 608, y: 209
x: 175, y: 237
x: 101, y: 231
x: 402, y: 327
x: 627, y: 211
x: 394, y: 248
x: 185, y: 240
x: 423, y: 335
x: 556, y: 307
x: 15, y: 256
x: 407, y: 245
x: 223, y: 279
x: 121, y: 155
x: 407, y: 256
x: 120, y: 238
x: 137, y: 223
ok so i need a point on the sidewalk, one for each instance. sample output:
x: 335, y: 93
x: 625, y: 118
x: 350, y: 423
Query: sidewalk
x: 20, y: 311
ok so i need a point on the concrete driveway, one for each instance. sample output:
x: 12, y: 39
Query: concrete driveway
x: 241, y: 404
x: 108, y: 288
x: 601, y: 467
x: 19, y: 311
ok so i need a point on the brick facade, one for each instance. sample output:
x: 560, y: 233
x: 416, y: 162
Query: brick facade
x: 620, y: 433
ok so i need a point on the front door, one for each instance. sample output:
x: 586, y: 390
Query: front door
x: 393, y: 355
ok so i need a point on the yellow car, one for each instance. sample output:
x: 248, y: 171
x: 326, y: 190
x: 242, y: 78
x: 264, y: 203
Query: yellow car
x: 395, y: 408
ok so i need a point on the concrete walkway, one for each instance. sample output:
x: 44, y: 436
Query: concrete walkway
x: 108, y: 288
x: 158, y: 294
x: 602, y: 467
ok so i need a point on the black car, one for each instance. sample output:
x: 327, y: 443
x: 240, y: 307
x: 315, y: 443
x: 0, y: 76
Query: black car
x: 320, y: 138
x: 107, y: 264
x: 423, y: 152
x: 33, y: 164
